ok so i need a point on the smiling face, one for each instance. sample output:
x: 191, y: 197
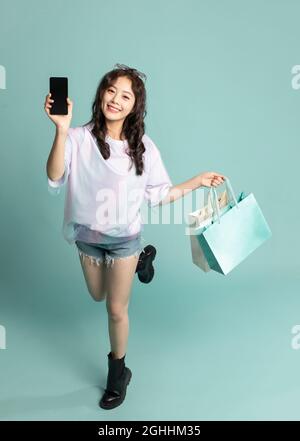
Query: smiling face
x: 121, y: 97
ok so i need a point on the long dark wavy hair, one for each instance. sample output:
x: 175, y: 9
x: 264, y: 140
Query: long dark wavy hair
x: 133, y: 127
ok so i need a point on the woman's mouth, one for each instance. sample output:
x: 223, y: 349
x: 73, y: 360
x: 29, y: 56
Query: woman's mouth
x: 111, y: 109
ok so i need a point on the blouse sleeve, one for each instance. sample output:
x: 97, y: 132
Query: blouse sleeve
x: 158, y: 182
x: 54, y: 187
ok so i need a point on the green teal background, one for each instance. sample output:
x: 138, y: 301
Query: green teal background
x: 220, y: 98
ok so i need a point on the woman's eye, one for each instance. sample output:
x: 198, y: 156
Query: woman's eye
x: 111, y: 90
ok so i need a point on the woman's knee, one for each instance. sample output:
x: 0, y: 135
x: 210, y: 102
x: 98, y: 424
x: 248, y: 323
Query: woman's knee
x: 117, y: 312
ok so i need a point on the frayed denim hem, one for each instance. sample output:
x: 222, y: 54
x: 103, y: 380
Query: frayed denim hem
x: 93, y: 259
x: 109, y: 261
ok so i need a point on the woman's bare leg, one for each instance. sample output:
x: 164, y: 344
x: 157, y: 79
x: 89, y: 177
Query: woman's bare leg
x: 119, y: 280
x: 95, y: 277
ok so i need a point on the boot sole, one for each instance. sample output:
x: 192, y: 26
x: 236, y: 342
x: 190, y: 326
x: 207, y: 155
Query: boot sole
x: 120, y: 400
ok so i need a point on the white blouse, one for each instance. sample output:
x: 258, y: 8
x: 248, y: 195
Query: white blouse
x: 103, y: 197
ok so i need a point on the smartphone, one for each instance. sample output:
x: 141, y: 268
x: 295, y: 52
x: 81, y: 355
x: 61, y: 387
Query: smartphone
x: 59, y: 93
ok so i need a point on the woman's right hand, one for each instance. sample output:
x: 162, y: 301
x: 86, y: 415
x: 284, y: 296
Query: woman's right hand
x: 61, y: 121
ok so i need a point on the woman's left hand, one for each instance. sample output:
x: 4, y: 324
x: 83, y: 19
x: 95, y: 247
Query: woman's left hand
x: 211, y: 179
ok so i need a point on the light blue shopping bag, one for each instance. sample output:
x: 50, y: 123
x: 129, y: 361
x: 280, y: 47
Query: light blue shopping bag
x: 235, y: 234
x: 197, y: 221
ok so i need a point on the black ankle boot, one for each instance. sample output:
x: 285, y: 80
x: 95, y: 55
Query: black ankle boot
x: 117, y: 381
x: 144, y: 267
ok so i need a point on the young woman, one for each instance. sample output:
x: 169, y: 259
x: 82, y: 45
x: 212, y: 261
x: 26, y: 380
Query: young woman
x: 111, y: 166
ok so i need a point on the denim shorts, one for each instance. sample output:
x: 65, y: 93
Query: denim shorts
x: 99, y: 252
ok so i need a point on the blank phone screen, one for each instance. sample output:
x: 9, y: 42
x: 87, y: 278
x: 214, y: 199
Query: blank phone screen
x: 59, y: 93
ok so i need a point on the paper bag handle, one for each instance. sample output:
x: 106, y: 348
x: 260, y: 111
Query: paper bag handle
x: 214, y: 197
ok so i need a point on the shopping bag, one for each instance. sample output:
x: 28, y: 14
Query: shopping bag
x: 232, y: 236
x: 198, y: 256
x: 202, y: 216
x: 197, y: 221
